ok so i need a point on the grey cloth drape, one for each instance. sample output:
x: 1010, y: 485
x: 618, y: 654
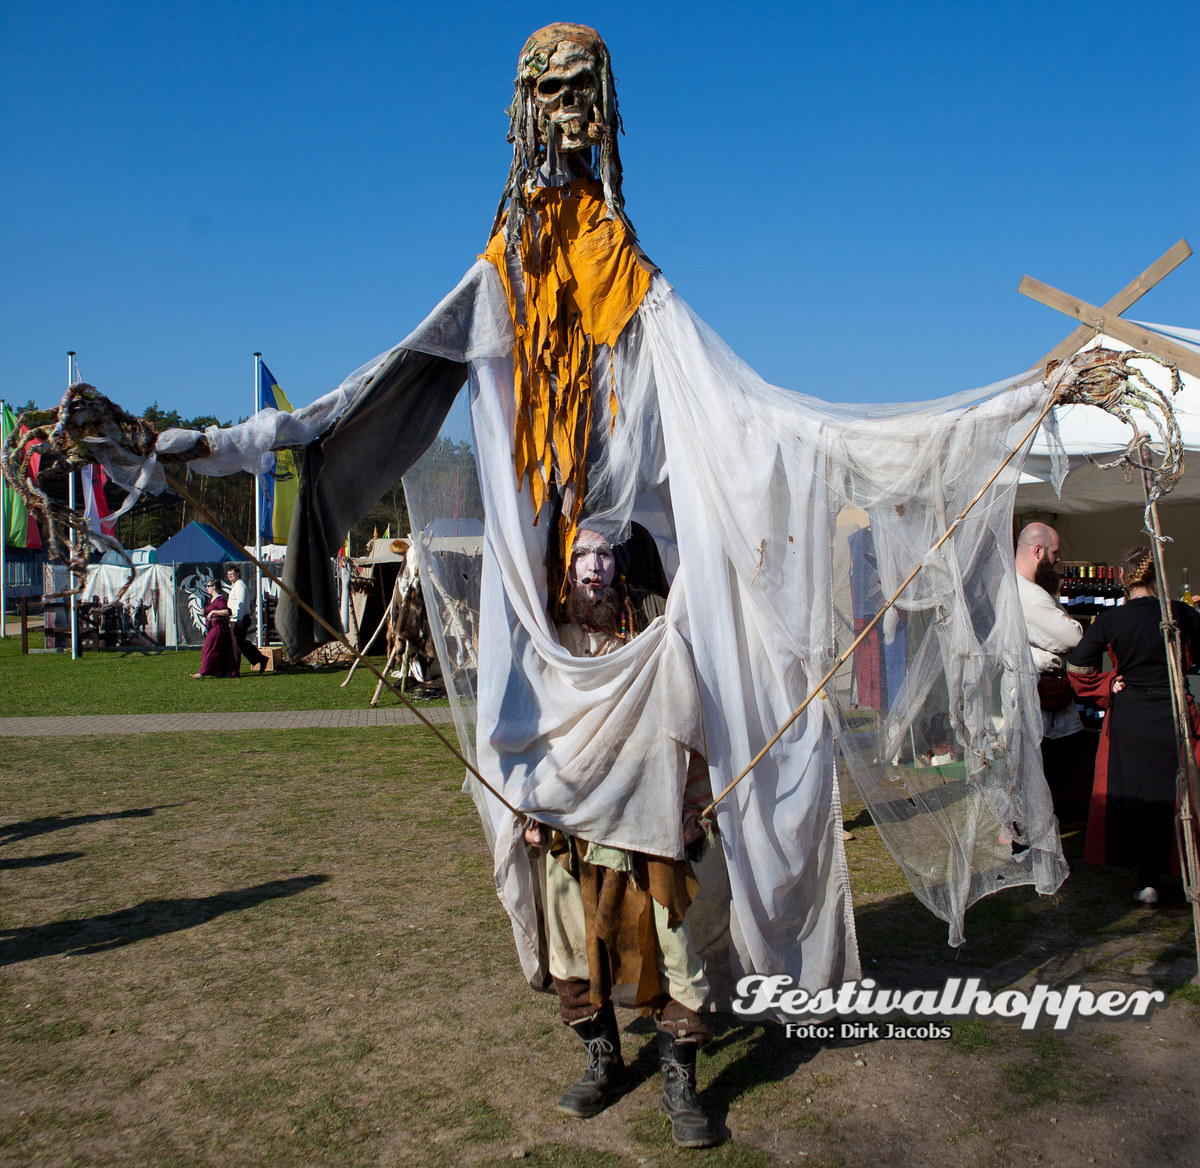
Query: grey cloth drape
x: 345, y: 473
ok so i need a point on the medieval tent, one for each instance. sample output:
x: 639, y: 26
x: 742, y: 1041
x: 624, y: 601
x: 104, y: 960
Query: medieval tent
x: 147, y: 554
x: 199, y: 543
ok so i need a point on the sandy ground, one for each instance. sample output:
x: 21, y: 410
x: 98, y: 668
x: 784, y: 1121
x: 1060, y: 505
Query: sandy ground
x: 228, y: 959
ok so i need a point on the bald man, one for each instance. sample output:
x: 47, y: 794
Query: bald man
x: 1052, y: 634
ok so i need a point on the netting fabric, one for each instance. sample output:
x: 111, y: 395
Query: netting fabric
x: 783, y: 523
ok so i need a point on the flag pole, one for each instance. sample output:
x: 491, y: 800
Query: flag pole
x: 344, y: 585
x: 258, y: 580
x: 3, y: 543
x: 73, y: 607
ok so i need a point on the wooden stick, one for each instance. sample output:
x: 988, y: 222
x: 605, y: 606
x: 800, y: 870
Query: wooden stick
x: 406, y: 664
x: 340, y: 637
x: 1132, y: 334
x: 387, y: 665
x: 367, y: 647
x: 820, y: 686
x: 1129, y: 295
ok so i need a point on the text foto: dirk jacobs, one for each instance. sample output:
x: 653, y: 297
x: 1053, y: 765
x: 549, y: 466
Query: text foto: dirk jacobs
x: 868, y: 1030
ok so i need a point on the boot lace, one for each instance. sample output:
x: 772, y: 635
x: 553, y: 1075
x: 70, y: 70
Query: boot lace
x: 682, y: 1078
x: 598, y: 1050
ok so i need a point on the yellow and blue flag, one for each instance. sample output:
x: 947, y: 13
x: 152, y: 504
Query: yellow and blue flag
x: 278, y: 497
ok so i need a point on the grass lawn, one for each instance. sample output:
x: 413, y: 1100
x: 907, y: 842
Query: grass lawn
x: 285, y: 949
x: 118, y: 682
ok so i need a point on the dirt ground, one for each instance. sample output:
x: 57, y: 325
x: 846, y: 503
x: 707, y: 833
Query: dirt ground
x: 285, y: 950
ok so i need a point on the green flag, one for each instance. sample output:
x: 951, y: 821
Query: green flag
x: 16, y: 517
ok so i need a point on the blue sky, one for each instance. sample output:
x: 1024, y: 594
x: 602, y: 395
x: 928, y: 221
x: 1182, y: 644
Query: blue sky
x: 848, y: 193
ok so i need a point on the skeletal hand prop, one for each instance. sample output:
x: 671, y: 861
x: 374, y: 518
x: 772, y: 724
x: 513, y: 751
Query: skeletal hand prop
x: 1105, y: 378
x: 67, y: 439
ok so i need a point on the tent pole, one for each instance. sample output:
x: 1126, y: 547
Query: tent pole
x: 367, y: 647
x: 258, y: 580
x: 73, y: 603
x: 1126, y: 298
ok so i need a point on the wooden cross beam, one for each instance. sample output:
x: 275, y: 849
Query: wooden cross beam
x: 1108, y: 319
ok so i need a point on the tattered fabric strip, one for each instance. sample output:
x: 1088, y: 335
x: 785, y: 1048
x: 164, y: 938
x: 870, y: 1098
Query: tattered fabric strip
x: 583, y: 281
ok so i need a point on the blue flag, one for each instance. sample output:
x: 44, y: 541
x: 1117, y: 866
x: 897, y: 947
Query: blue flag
x: 280, y: 483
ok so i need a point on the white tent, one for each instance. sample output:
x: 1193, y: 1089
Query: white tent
x: 1099, y: 515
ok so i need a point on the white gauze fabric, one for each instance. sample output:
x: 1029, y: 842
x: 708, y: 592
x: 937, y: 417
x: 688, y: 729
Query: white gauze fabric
x: 751, y: 492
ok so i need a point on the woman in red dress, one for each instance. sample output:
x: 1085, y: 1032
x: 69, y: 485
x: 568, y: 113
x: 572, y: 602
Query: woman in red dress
x: 217, y: 658
x: 1131, y: 819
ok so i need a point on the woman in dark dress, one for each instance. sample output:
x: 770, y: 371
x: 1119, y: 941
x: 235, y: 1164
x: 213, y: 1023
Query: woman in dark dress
x: 217, y: 658
x: 1132, y: 811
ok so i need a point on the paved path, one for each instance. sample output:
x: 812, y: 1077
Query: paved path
x: 177, y: 723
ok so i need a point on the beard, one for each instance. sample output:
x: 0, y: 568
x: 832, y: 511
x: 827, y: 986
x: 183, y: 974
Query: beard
x: 599, y: 615
x: 1045, y: 575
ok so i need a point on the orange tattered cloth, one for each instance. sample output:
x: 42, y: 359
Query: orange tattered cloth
x: 584, y: 280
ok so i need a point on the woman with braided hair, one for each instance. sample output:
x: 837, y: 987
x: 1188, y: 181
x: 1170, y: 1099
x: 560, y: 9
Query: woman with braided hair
x: 1131, y: 817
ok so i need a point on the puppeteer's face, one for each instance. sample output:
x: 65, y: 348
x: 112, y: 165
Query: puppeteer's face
x: 566, y: 96
x: 592, y: 563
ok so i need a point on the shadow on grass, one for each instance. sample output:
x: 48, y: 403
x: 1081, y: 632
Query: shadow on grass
x: 39, y: 861
x: 151, y: 918
x: 14, y: 832
x: 861, y: 820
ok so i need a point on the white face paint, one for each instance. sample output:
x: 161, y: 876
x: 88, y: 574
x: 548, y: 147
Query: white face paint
x: 566, y: 96
x: 592, y: 562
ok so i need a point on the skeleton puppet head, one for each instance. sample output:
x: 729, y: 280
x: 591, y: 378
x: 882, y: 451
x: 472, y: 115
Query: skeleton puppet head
x: 565, y: 79
x: 565, y: 102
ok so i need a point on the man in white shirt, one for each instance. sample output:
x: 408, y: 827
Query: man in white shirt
x: 239, y: 608
x: 1052, y: 635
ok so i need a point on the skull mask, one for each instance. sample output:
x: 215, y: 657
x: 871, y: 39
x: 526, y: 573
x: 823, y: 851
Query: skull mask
x: 563, y: 121
x: 565, y: 97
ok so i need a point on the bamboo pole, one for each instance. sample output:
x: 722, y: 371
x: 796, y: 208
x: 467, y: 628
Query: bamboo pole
x: 340, y: 637
x: 862, y: 636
